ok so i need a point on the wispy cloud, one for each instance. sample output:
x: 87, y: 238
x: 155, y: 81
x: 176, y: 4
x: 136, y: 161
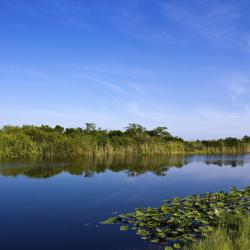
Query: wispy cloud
x: 61, y: 12
x: 127, y: 81
x: 134, y: 109
x: 10, y: 69
x: 238, y: 87
x: 238, y: 91
x: 133, y: 18
x: 107, y: 84
x: 215, y: 20
x: 115, y: 70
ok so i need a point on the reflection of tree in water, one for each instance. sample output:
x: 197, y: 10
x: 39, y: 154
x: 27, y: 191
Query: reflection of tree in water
x: 132, y: 165
x: 218, y: 160
x: 227, y: 161
x: 232, y: 163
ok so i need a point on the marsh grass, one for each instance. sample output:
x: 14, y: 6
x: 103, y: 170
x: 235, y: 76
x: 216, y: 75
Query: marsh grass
x: 47, y: 142
x: 233, y: 234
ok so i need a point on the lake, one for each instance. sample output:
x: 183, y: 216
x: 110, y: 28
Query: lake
x: 58, y: 204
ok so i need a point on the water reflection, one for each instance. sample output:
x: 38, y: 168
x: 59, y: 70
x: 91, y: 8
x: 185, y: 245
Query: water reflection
x: 132, y: 165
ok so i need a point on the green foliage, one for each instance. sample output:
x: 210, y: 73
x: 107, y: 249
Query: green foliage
x: 45, y: 141
x: 134, y: 129
x: 160, y: 131
x: 233, y: 234
x: 179, y: 222
x: 222, y: 146
x: 90, y: 128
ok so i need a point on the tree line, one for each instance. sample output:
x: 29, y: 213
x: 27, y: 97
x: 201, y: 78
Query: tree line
x: 46, y: 141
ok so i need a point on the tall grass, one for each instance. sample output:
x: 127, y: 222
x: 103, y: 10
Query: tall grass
x: 47, y: 142
x: 234, y: 234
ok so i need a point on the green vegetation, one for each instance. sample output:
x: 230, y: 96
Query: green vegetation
x: 47, y: 142
x: 181, y: 222
x: 234, y: 234
x: 222, y: 146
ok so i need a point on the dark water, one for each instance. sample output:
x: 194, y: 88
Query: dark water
x: 57, y: 204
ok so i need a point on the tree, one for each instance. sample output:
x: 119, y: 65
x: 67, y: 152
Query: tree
x: 46, y: 128
x: 73, y: 131
x: 134, y: 129
x: 90, y: 127
x: 246, y: 138
x: 230, y: 141
x: 59, y: 129
x: 160, y: 131
x: 115, y: 133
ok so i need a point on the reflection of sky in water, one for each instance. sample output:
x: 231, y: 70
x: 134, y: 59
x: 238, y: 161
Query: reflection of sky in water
x: 61, y: 212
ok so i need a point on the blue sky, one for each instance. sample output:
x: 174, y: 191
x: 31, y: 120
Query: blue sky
x: 174, y: 63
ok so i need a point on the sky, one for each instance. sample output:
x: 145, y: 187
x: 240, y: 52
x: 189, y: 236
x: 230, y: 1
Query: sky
x: 184, y: 64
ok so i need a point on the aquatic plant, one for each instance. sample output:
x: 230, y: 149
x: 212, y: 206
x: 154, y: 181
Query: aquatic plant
x: 178, y: 222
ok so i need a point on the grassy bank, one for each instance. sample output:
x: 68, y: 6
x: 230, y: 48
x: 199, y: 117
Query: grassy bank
x: 234, y: 234
x: 45, y: 141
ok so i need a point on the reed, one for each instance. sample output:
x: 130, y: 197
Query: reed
x: 234, y: 234
x: 47, y: 142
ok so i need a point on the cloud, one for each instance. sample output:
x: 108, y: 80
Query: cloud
x: 158, y: 22
x: 143, y: 21
x: 62, y: 12
x: 10, y: 69
x: 99, y: 79
x: 238, y: 92
x: 170, y: 23
x: 215, y: 20
x: 135, y: 110
x: 123, y: 80
x: 115, y: 70
x: 238, y: 86
x: 106, y: 84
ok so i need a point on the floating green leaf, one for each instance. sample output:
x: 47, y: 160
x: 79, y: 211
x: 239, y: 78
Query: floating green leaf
x: 110, y: 220
x: 177, y: 245
x: 124, y: 228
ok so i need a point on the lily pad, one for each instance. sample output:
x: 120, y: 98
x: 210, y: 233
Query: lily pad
x: 124, y: 228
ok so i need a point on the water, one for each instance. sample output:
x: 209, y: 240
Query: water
x: 58, y: 204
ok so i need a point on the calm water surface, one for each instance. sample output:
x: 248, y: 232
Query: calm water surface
x: 58, y: 204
